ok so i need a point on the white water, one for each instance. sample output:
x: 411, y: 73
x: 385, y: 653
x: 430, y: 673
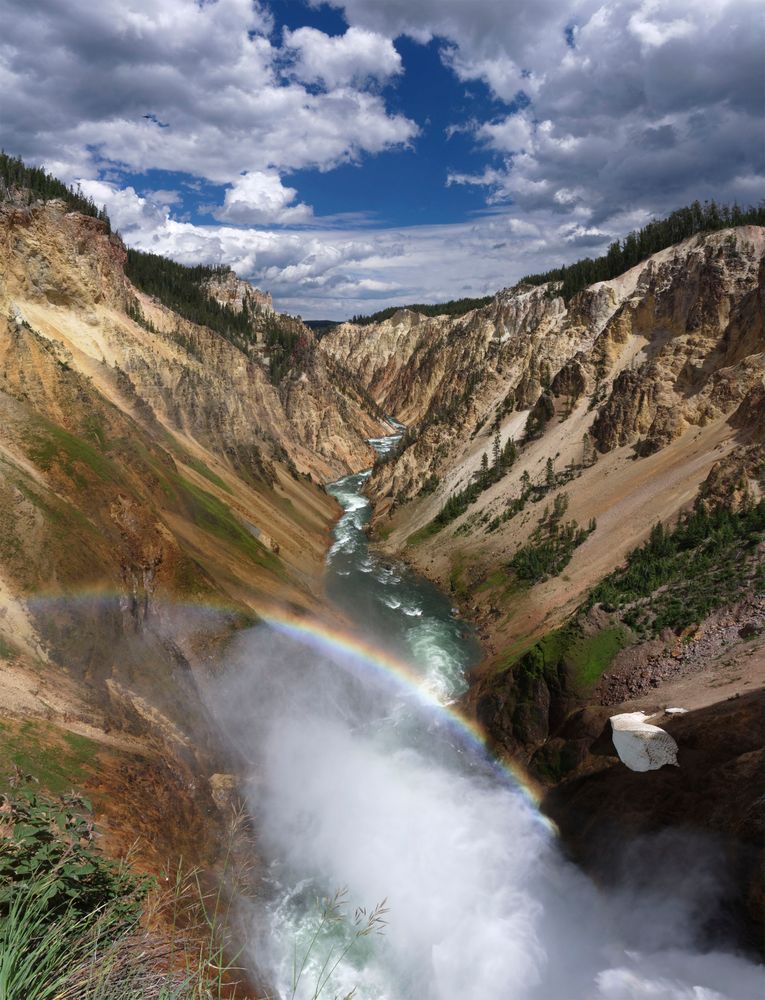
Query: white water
x: 356, y: 783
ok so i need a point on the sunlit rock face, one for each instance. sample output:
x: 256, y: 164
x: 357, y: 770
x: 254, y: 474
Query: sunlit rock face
x: 230, y: 290
x: 147, y: 461
x: 641, y: 746
x: 669, y: 346
x: 62, y: 275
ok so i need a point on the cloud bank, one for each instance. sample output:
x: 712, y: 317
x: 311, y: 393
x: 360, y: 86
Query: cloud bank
x: 598, y: 115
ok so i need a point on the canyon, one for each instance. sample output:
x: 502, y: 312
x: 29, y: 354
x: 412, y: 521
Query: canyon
x: 162, y: 490
x: 624, y: 406
x: 150, y: 471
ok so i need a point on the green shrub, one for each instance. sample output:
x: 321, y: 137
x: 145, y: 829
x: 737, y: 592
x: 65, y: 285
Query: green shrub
x: 537, y: 420
x: 53, y: 841
x: 679, y: 575
x: 551, y: 545
x: 70, y: 918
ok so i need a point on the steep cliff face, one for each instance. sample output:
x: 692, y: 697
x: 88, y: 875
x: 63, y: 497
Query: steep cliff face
x: 64, y: 275
x: 674, y: 342
x: 230, y: 290
x: 155, y: 428
x: 699, y: 316
x: 647, y: 367
x: 150, y: 473
x: 425, y: 367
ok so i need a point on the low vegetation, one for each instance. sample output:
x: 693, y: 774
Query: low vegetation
x: 681, y: 574
x: 52, y: 841
x: 551, y: 545
x: 334, y: 923
x: 710, y: 558
x: 585, y: 655
x: 218, y: 520
x: 57, y: 757
x: 503, y: 459
x: 74, y: 925
x: 51, y: 445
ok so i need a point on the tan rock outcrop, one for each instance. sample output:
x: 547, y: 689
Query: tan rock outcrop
x: 149, y: 470
x: 230, y: 290
x: 62, y: 275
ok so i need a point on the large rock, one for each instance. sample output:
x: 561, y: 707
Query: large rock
x: 641, y: 746
x: 712, y: 802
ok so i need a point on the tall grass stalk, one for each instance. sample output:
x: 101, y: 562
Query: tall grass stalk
x: 332, y: 913
x: 77, y: 957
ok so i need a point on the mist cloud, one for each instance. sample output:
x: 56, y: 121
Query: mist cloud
x: 353, y: 785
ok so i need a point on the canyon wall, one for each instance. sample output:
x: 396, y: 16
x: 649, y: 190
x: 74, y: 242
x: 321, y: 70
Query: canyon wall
x: 637, y: 391
x: 547, y: 440
x: 157, y: 490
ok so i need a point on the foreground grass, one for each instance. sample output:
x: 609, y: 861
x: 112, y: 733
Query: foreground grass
x: 74, y: 924
x: 98, y: 957
x: 56, y: 756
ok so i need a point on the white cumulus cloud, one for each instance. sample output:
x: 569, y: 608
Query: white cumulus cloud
x: 605, y: 113
x: 356, y: 57
x: 259, y: 198
x: 632, y: 103
x: 183, y: 86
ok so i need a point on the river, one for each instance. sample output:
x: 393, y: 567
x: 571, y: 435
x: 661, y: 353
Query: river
x: 364, y: 780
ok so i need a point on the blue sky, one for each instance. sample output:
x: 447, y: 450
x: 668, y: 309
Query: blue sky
x: 400, y: 186
x: 359, y: 153
x: 405, y: 187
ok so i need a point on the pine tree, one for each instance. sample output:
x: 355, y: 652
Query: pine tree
x: 497, y: 454
x: 560, y: 506
x: 588, y: 451
x: 509, y: 454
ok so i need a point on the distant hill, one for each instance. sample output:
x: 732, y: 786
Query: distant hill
x: 455, y: 307
x: 320, y: 326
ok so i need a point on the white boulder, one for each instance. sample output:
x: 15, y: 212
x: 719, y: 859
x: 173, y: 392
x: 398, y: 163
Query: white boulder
x: 640, y: 746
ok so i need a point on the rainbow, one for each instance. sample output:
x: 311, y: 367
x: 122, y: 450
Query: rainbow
x: 360, y: 654
x: 356, y: 654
